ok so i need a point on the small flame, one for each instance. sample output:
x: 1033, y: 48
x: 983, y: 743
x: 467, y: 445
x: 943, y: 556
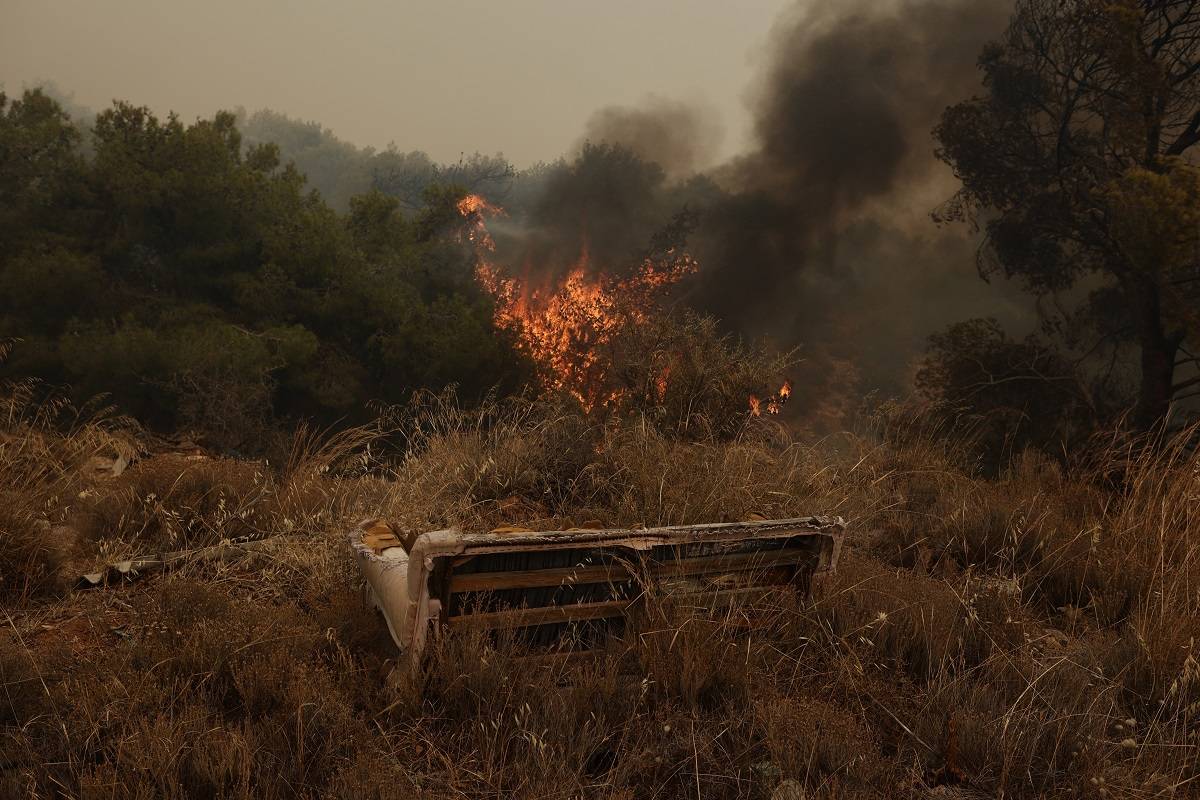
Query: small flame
x: 660, y: 383
x: 774, y: 402
x: 473, y: 208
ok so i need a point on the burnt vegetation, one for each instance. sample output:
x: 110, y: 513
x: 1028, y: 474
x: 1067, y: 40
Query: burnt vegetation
x: 224, y: 344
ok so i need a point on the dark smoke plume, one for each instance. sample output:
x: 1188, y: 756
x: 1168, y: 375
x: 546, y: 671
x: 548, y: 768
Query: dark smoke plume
x: 825, y: 236
x: 607, y: 202
x: 843, y: 118
x: 679, y: 137
x: 820, y: 234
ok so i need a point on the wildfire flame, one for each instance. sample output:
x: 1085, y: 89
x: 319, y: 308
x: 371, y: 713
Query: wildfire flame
x: 473, y: 208
x: 773, y: 403
x: 660, y: 382
x: 565, y: 326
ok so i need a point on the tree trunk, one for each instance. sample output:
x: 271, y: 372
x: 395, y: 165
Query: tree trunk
x: 1158, y: 350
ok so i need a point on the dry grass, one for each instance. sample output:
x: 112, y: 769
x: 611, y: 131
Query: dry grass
x: 45, y: 446
x: 1031, y: 635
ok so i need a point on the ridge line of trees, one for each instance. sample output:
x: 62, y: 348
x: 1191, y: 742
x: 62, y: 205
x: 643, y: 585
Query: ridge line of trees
x: 198, y: 282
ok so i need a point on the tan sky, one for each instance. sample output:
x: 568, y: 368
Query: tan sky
x: 444, y: 76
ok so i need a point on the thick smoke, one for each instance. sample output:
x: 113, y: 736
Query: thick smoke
x: 602, y: 207
x: 825, y: 236
x: 843, y: 121
x: 820, y: 234
x: 679, y: 137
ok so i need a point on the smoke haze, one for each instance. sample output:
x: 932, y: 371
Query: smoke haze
x: 826, y: 238
x: 842, y: 123
x: 680, y: 138
x: 820, y: 234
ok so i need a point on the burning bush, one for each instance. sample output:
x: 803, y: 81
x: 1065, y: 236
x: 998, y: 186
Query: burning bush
x: 608, y: 342
x: 680, y: 372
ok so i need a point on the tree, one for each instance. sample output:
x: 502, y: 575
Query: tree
x: 199, y: 283
x: 607, y: 197
x: 1021, y: 393
x: 1078, y: 160
x: 331, y: 166
x: 39, y: 172
x: 405, y: 175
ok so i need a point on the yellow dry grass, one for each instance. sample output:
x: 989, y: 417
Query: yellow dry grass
x: 1031, y: 635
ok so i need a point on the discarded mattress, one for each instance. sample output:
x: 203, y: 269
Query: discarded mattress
x: 579, y: 586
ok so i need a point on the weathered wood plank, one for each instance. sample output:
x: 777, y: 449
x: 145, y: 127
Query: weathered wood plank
x: 565, y: 576
x: 525, y: 617
x: 531, y: 578
x: 736, y: 562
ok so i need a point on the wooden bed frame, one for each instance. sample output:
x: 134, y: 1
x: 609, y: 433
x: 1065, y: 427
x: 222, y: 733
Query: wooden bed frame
x: 576, y: 587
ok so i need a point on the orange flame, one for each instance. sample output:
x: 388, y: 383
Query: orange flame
x: 774, y: 402
x: 660, y: 383
x: 564, y: 327
x: 473, y: 208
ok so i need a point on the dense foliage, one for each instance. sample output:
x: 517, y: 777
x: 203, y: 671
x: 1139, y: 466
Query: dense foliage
x: 199, y: 283
x: 340, y: 170
x: 1079, y: 160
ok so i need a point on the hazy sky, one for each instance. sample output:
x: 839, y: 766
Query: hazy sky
x: 445, y: 76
